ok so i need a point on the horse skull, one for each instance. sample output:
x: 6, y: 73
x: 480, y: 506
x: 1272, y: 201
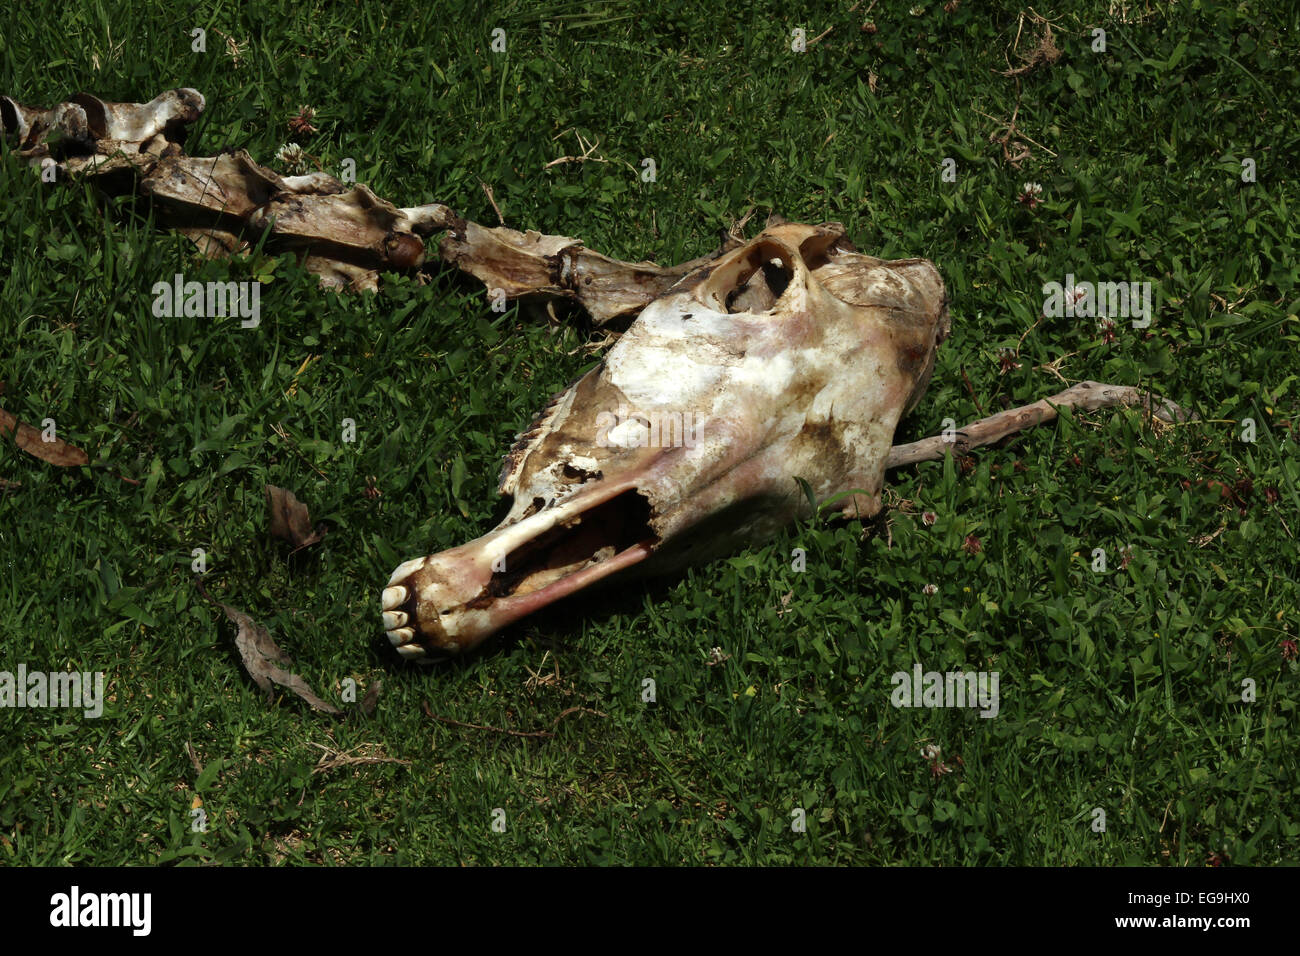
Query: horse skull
x: 790, y: 357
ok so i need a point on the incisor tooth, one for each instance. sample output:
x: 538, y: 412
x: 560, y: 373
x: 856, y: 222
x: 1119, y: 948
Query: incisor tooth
x: 401, y: 635
x: 406, y: 568
x: 394, y: 619
x: 394, y: 596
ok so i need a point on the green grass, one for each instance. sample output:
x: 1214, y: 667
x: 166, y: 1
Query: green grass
x: 1120, y: 691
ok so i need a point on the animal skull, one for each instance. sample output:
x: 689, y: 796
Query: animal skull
x: 790, y: 357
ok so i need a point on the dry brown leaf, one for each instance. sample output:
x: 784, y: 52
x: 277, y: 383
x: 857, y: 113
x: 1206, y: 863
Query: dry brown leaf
x: 290, y: 519
x: 372, y: 698
x: 57, y: 452
x: 261, y: 656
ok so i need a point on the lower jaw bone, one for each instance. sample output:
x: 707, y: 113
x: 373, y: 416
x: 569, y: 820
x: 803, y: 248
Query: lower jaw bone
x: 450, y: 602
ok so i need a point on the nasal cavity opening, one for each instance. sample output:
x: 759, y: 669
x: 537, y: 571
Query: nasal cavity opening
x: 588, y: 538
x: 754, y: 280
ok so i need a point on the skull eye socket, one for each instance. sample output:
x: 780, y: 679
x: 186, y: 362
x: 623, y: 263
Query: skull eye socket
x: 754, y: 280
x: 762, y: 289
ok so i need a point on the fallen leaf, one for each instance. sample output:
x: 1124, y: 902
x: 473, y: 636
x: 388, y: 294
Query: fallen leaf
x: 261, y: 657
x: 290, y: 519
x: 372, y: 698
x: 57, y: 452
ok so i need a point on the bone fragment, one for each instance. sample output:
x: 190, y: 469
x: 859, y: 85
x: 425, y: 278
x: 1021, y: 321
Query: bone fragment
x: 1086, y: 396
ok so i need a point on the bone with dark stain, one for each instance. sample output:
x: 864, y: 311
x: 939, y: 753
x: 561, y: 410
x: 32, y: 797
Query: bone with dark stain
x: 344, y: 234
x: 225, y: 203
x: 791, y: 357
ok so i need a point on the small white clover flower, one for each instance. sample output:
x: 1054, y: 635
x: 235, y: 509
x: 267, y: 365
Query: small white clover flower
x: 291, y: 156
x: 1031, y: 195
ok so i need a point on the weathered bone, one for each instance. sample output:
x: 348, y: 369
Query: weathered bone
x: 449, y: 602
x: 88, y: 136
x: 220, y: 189
x: 140, y: 122
x: 356, y: 226
x: 33, y: 125
x: 346, y: 236
x: 1086, y: 396
x: 798, y: 354
x: 224, y: 203
x: 523, y: 264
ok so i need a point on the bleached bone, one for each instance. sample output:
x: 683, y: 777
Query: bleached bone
x: 222, y: 203
x: 208, y: 190
x: 32, y: 125
x: 810, y: 387
x: 355, y: 226
x: 17, y: 118
x: 86, y: 130
x: 426, y: 220
x: 140, y: 122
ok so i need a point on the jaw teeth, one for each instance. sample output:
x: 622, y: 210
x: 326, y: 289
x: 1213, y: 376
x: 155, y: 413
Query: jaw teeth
x: 406, y: 568
x: 400, y: 636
